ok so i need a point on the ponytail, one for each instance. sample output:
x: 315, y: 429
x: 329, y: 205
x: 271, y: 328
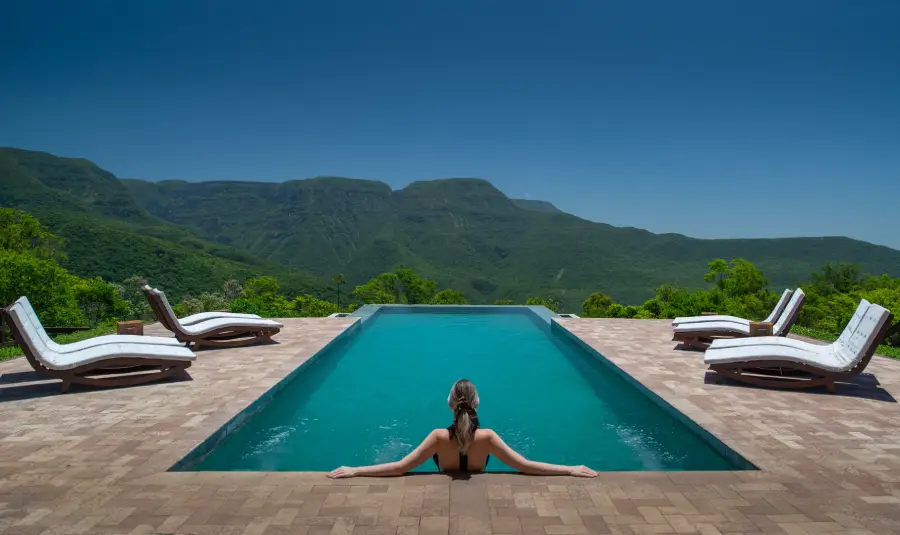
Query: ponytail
x: 462, y: 423
x: 463, y: 400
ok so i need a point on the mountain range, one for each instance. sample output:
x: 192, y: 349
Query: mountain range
x: 465, y: 233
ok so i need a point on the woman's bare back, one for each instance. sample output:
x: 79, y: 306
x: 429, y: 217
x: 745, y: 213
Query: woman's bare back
x: 448, y: 453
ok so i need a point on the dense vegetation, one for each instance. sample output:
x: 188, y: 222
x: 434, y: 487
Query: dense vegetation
x: 740, y: 289
x: 109, y: 235
x: 31, y: 257
x: 462, y: 233
x: 465, y: 234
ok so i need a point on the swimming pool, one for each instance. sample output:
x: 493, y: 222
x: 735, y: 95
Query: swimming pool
x: 373, y: 395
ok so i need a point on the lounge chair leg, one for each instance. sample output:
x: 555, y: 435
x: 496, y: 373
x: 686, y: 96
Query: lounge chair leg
x: 65, y: 386
x: 830, y: 386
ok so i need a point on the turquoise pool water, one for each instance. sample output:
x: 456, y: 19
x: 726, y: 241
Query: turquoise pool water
x: 375, y: 394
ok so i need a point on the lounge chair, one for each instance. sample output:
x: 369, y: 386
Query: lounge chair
x: 773, y: 316
x: 29, y: 312
x: 115, y: 360
x: 701, y: 334
x: 787, y: 363
x: 203, y: 316
x: 217, y: 332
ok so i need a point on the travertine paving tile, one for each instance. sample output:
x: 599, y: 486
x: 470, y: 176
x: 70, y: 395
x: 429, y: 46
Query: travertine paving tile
x: 95, y: 460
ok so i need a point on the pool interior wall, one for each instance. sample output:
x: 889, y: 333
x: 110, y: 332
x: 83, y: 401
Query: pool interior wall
x: 673, y: 442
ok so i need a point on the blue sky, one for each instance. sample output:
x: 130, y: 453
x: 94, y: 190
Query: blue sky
x: 707, y: 118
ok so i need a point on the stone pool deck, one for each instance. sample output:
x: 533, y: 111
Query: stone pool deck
x: 95, y: 461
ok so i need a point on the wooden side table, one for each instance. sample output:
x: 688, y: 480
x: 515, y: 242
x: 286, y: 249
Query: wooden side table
x: 130, y: 327
x: 760, y: 328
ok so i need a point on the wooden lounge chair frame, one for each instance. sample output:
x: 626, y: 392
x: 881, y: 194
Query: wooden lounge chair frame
x: 224, y: 337
x: 794, y: 375
x: 126, y: 371
x: 702, y: 340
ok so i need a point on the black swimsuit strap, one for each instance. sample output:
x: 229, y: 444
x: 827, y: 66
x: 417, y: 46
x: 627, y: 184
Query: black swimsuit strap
x: 463, y: 457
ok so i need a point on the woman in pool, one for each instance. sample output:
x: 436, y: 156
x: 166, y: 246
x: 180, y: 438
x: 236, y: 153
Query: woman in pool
x: 463, y: 447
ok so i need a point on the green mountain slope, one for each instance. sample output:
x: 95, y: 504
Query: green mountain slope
x: 110, y: 235
x: 536, y: 206
x: 467, y: 234
x: 464, y: 233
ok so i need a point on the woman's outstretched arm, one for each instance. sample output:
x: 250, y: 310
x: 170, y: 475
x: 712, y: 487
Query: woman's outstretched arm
x: 416, y: 457
x: 514, y: 459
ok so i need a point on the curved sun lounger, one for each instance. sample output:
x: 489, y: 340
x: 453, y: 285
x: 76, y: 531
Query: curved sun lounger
x: 217, y: 332
x: 786, y: 363
x: 203, y: 316
x: 701, y: 334
x: 117, y: 360
x: 29, y: 313
x: 772, y: 318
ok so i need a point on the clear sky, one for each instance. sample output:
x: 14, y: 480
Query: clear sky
x: 707, y: 118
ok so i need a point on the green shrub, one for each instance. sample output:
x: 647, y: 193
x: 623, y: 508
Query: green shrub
x: 449, y: 297
x: 538, y: 301
x: 50, y: 288
x: 309, y: 306
x: 596, y: 305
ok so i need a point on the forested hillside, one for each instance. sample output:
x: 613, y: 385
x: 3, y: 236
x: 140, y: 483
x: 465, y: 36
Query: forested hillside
x: 462, y: 233
x: 110, y: 235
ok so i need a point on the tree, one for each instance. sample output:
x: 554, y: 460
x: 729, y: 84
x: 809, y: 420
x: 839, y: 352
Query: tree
x: 744, y: 279
x: 49, y: 288
x: 381, y: 290
x: 131, y: 291
x: 23, y: 233
x: 231, y: 290
x: 415, y: 289
x: 309, y: 306
x: 836, y: 277
x: 260, y: 286
x: 449, y: 297
x: 549, y: 303
x: 718, y: 270
x: 504, y: 302
x: 338, y: 281
x: 596, y: 304
x: 100, y: 300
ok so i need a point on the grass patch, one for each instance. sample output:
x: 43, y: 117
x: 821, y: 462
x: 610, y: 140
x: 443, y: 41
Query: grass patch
x: 7, y: 353
x: 884, y: 350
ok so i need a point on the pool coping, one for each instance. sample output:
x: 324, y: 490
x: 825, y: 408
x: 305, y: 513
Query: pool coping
x: 366, y: 312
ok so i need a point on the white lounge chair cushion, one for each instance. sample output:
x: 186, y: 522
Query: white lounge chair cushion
x: 823, y: 357
x: 717, y: 327
x: 841, y: 356
x: 765, y: 341
x: 791, y: 309
x: 66, y: 361
x: 710, y: 319
x: 56, y: 360
x: 115, y: 339
x: 32, y: 317
x: 740, y: 328
x: 203, y: 316
x: 211, y: 325
x: 774, y: 315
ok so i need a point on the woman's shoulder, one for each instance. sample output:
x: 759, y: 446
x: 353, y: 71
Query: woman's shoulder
x: 441, y: 433
x: 483, y: 433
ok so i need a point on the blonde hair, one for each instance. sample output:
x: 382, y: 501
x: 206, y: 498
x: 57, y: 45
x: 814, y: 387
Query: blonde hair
x: 463, y: 400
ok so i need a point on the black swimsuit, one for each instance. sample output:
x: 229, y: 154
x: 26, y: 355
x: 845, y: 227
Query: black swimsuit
x: 463, y: 458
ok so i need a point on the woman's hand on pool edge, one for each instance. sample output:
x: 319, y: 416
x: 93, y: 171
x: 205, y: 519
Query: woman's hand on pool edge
x: 582, y: 471
x: 342, y: 472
